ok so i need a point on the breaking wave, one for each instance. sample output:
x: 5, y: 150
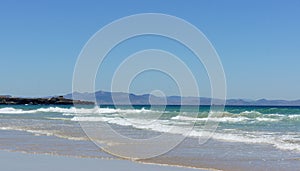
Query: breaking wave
x: 173, y: 123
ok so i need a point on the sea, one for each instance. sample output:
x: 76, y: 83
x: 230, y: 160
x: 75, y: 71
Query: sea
x: 245, y: 137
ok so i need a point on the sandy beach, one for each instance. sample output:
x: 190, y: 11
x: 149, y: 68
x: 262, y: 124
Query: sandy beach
x: 17, y: 161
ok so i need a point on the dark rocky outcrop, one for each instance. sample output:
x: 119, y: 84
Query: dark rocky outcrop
x: 60, y: 100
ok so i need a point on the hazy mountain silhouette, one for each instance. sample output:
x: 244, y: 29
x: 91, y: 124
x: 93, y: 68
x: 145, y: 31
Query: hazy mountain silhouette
x: 106, y: 98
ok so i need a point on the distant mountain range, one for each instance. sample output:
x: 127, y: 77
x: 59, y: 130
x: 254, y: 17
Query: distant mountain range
x: 105, y: 98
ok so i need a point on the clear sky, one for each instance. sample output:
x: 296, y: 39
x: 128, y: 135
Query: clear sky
x: 258, y: 42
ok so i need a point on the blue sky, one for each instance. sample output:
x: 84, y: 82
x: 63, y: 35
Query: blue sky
x: 257, y: 41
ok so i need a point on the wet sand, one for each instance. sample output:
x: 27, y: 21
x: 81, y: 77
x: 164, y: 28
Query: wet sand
x: 16, y: 161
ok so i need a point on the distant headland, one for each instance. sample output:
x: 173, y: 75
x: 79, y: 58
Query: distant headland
x: 59, y: 100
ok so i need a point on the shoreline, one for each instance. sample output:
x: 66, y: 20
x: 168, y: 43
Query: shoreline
x: 54, y: 154
x: 179, y: 166
x: 33, y: 161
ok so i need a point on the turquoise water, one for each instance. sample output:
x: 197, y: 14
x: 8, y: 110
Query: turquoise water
x: 267, y: 137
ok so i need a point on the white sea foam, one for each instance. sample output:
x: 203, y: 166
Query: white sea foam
x: 43, y: 132
x: 252, y: 112
x: 35, y: 132
x: 275, y: 115
x: 175, y: 125
x: 74, y: 111
x: 213, y: 119
x: 115, y: 120
x: 267, y: 119
x: 279, y: 141
x: 294, y: 117
x: 226, y: 119
x: 228, y: 135
x: 10, y: 110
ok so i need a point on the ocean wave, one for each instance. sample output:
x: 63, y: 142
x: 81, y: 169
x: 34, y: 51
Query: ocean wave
x: 294, y: 117
x: 115, y: 120
x: 263, y: 119
x: 224, y: 117
x: 177, y: 125
x: 283, y: 142
x: 74, y: 111
x: 243, y: 117
x: 174, y: 126
x: 235, y: 119
x: 10, y: 110
x: 213, y: 119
